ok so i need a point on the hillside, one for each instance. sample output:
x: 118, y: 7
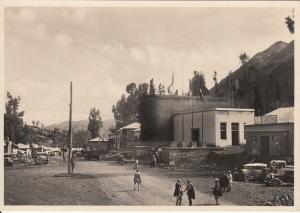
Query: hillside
x: 82, y: 125
x: 264, y: 83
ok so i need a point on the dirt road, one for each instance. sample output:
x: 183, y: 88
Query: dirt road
x: 107, y: 183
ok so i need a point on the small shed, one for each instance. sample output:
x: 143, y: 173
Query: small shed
x: 98, y: 143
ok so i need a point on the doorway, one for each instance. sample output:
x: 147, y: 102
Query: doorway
x: 264, y: 143
x: 196, y: 136
x: 235, y: 134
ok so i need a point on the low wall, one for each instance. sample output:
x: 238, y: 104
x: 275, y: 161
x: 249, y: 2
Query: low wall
x: 181, y: 155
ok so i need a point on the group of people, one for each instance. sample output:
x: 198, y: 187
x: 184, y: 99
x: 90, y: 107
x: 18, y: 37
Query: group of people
x: 223, y: 184
x: 189, y: 189
x: 225, y: 181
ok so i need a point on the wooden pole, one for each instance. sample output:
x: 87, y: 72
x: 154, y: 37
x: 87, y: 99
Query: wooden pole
x: 70, y: 132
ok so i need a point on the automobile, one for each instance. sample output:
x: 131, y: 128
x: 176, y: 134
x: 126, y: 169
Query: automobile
x: 251, y: 172
x: 8, y: 160
x: 41, y: 158
x: 280, y: 169
x: 275, y: 181
x: 93, y: 154
x: 288, y: 175
x: 126, y: 157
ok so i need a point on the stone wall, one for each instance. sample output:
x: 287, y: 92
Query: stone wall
x: 181, y: 155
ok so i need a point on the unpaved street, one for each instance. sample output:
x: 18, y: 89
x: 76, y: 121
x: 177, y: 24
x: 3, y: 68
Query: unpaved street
x: 108, y: 183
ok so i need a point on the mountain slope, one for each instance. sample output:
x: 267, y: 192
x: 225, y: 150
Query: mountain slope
x: 82, y: 125
x: 265, y: 82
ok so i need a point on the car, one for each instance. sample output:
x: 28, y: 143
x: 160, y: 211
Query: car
x: 276, y: 181
x: 8, y: 160
x: 93, y: 154
x: 41, y: 158
x: 251, y: 172
x: 126, y: 157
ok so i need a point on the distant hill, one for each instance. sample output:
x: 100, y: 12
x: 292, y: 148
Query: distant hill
x: 264, y: 83
x: 82, y: 125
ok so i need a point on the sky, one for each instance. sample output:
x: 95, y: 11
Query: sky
x: 101, y: 50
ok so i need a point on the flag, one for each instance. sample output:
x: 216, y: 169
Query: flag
x: 172, y: 80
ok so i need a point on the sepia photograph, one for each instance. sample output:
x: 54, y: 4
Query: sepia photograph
x: 164, y: 105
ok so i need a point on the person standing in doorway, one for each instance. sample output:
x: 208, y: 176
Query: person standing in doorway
x: 190, y: 192
x: 137, y: 179
x: 217, y: 191
x: 178, y: 193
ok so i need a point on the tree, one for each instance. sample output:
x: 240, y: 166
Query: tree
x: 152, y: 87
x: 143, y: 89
x: 13, y: 119
x: 197, y: 85
x: 81, y: 138
x: 126, y: 110
x: 244, y: 58
x: 161, y: 89
x: 290, y: 24
x: 216, y: 83
x: 131, y: 88
x: 95, y: 122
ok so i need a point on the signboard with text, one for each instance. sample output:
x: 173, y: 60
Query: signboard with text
x: 266, y: 119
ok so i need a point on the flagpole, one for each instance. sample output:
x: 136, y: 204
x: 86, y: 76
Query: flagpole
x: 70, y: 132
x: 182, y: 127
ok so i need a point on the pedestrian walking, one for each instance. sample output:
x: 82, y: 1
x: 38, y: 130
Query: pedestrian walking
x: 217, y: 191
x: 73, y: 159
x: 190, y: 192
x: 229, y: 177
x: 172, y: 165
x: 178, y: 193
x: 137, y: 180
x: 136, y: 164
x: 153, y: 163
x: 223, y: 181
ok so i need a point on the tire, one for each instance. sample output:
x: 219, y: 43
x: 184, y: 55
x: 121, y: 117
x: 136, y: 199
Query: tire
x: 246, y: 178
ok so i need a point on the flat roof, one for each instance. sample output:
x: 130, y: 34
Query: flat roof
x: 268, y: 124
x: 216, y: 109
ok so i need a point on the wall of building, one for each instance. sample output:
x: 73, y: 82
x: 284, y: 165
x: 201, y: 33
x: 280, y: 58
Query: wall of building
x: 229, y: 117
x: 204, y: 121
x: 156, y: 114
x: 97, y: 146
x: 283, y: 132
x: 208, y: 123
x: 181, y: 155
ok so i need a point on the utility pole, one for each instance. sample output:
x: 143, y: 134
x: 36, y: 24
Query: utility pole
x: 70, y: 132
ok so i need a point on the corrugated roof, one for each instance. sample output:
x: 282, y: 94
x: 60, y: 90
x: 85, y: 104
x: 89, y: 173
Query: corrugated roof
x: 102, y: 139
x: 137, y: 130
x: 284, y: 114
x: 134, y: 125
x: 23, y: 146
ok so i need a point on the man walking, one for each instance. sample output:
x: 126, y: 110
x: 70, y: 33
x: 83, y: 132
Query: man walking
x: 178, y: 193
x: 73, y: 162
x: 217, y: 192
x: 223, y: 181
x: 190, y: 192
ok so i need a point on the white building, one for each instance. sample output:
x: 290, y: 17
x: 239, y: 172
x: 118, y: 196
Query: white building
x: 217, y: 127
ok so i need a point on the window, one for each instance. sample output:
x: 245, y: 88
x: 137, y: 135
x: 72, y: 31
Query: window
x: 223, y: 130
x: 234, y: 126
